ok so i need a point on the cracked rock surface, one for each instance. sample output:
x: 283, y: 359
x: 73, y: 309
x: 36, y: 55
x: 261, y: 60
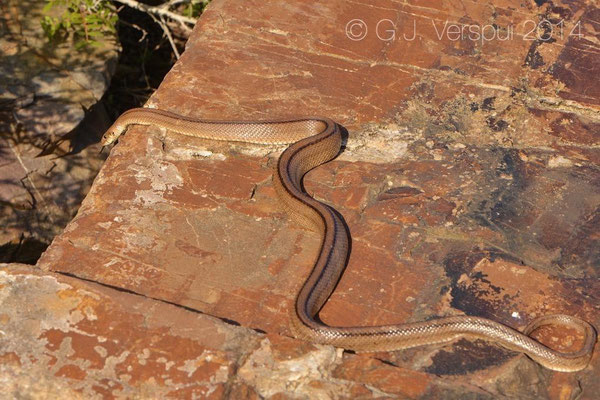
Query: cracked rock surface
x: 470, y: 183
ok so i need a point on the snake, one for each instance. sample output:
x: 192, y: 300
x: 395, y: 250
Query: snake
x: 314, y: 141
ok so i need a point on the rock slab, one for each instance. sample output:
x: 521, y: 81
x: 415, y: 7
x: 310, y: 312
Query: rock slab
x: 469, y: 183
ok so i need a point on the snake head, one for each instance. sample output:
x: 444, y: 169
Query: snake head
x: 111, y: 135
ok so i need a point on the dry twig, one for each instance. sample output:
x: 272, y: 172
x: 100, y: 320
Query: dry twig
x: 159, y: 14
x: 158, y: 11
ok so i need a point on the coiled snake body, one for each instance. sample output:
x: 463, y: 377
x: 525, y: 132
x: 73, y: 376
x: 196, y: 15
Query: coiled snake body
x: 315, y: 141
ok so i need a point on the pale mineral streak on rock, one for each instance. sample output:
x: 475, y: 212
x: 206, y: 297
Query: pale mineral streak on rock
x: 559, y: 162
x: 18, y: 382
x: 379, y: 144
x: 294, y: 376
x: 193, y: 152
x: 162, y: 177
x: 60, y: 318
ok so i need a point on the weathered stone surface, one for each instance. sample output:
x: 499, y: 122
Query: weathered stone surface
x: 469, y: 182
x: 82, y: 340
x: 45, y: 90
x: 75, y: 339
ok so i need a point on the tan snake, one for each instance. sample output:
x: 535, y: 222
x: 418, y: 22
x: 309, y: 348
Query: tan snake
x: 315, y: 141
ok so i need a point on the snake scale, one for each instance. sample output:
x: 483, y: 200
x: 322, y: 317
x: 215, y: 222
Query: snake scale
x: 314, y: 141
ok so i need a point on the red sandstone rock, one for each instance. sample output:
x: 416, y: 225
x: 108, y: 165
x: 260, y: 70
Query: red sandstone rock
x: 469, y: 184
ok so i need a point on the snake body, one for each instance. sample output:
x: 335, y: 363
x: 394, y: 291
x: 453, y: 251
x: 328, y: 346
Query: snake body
x: 315, y: 141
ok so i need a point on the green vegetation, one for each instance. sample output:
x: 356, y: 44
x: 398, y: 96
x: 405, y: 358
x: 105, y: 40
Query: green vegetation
x: 194, y: 8
x: 87, y: 20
